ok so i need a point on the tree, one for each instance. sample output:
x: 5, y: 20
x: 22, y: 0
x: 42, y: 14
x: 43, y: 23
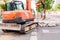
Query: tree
x: 3, y: 5
x: 57, y: 7
x: 48, y: 3
x: 5, y: 1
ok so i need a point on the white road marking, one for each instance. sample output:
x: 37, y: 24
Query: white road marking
x: 45, y: 31
x: 33, y: 36
x: 50, y: 31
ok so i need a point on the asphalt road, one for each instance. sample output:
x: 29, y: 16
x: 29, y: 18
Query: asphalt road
x: 40, y: 33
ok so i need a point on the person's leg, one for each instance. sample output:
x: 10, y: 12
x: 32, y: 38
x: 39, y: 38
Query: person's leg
x: 44, y: 10
x: 44, y: 14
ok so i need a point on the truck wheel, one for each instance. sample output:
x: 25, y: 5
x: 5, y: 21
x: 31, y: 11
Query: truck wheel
x: 43, y: 17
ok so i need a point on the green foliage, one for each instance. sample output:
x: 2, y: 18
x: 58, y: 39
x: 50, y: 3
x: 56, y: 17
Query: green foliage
x: 5, y: 1
x: 48, y: 4
x: 2, y: 6
x: 57, y: 7
x: 39, y: 8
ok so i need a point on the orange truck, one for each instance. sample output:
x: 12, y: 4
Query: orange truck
x: 18, y: 20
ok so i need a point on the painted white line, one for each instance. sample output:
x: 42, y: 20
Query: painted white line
x: 50, y: 31
x: 45, y: 31
x: 33, y: 36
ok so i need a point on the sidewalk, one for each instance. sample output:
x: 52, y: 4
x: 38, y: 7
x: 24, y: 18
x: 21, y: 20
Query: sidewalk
x: 52, y: 19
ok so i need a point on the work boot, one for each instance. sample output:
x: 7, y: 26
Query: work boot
x: 43, y: 17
